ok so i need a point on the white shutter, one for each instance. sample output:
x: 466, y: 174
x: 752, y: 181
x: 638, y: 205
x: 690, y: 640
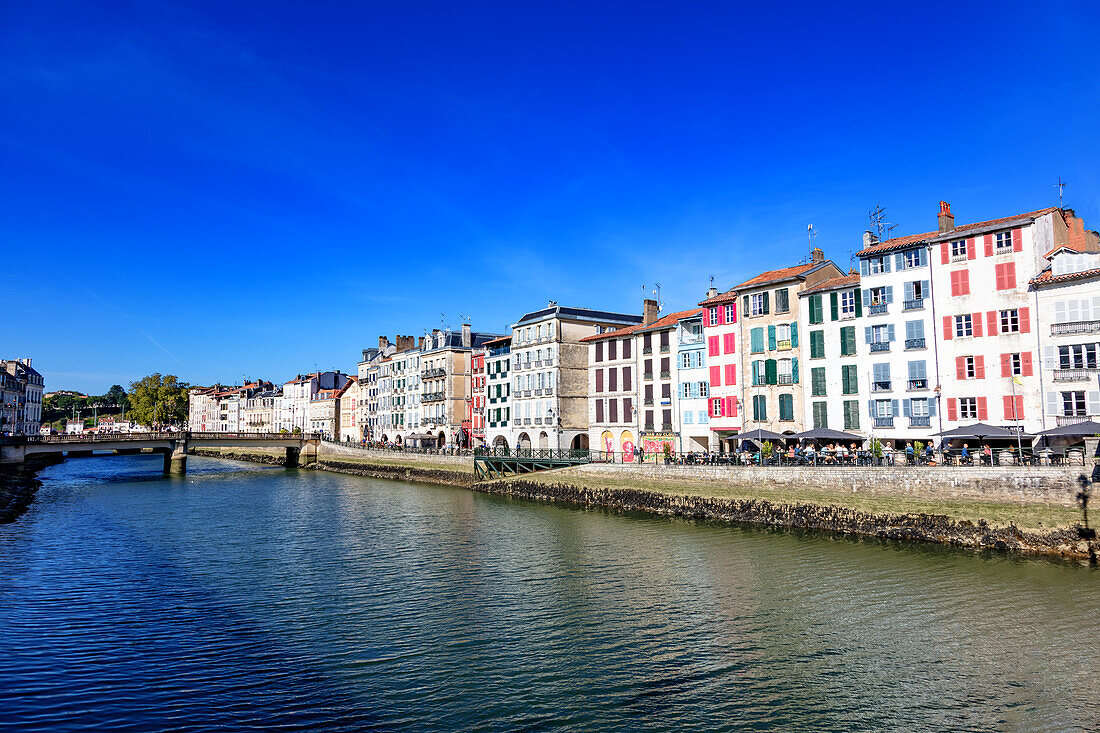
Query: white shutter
x: 1093, y: 400
x: 1050, y: 357
x: 1059, y: 311
x: 1054, y: 403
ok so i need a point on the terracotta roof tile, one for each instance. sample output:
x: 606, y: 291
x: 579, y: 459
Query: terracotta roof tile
x: 771, y: 276
x: 1047, y: 277
x: 833, y: 283
x: 896, y: 242
x: 660, y: 324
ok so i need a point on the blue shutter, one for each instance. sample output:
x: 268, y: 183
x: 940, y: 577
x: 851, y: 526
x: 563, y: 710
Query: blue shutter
x: 932, y: 407
x: 925, y: 289
x: 899, y: 262
x: 864, y: 269
x: 867, y: 334
x: 890, y: 332
x: 794, y: 335
x: 889, y: 293
x: 771, y: 338
x: 906, y: 408
x: 893, y: 407
x: 886, y: 263
x: 794, y: 370
x: 908, y: 291
x: 867, y: 296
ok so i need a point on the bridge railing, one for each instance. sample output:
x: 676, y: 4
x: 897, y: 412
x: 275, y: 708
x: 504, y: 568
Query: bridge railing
x: 137, y: 437
x: 552, y: 454
x: 252, y: 436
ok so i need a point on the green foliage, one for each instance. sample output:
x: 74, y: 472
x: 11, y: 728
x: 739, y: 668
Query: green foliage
x: 876, y: 447
x: 918, y: 446
x: 158, y: 400
x: 767, y: 448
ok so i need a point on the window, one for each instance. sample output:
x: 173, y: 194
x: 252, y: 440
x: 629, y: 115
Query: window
x: 759, y: 407
x: 716, y: 407
x: 786, y: 407
x: 1015, y: 365
x: 821, y: 419
x: 913, y: 258
x: 848, y: 341
x: 817, y: 312
x: 758, y: 372
x: 960, y: 282
x: 1073, y: 404
x: 756, y: 339
x: 688, y: 419
x: 848, y: 304
x: 1079, y: 356
x: 969, y: 367
x: 851, y: 414
x: 782, y: 301
x: 968, y: 408
x: 714, y: 316
x: 875, y: 265
x: 1003, y: 241
x: 1006, y: 275
x: 964, y: 325
x: 958, y: 249
x: 878, y: 296
x: 849, y: 383
x: 880, y: 377
x: 786, y: 372
x: 783, y: 336
x: 879, y: 334
x: 731, y: 316
x: 1010, y: 321
x: 758, y: 304
x: 817, y: 344
x: 817, y: 381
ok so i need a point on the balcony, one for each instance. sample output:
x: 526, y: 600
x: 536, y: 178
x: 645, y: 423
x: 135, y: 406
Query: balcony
x: 884, y: 422
x: 913, y: 305
x: 784, y: 379
x: 666, y: 374
x: 523, y: 393
x: 880, y: 386
x: 649, y: 426
x: 783, y: 345
x: 647, y: 350
x: 538, y: 421
x: 433, y: 373
x: 914, y: 343
x: 501, y: 351
x: 920, y: 421
x: 665, y: 348
x: 1071, y: 419
x: 666, y: 427
x: 959, y: 257
x: 647, y: 376
x: 876, y: 308
x: 647, y: 402
x: 1074, y: 375
x: 433, y: 397
x: 1075, y: 327
x: 685, y: 340
x: 879, y: 346
x: 915, y: 384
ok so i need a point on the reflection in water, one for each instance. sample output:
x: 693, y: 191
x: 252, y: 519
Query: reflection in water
x: 240, y: 596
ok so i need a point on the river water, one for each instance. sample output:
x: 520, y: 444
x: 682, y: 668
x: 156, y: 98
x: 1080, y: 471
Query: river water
x: 241, y: 597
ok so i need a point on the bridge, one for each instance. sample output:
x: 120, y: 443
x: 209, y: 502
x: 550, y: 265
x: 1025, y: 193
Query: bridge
x: 173, y: 446
x: 490, y: 463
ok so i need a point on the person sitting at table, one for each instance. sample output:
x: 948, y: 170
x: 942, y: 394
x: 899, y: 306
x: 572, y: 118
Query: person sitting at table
x: 842, y: 453
x: 910, y: 456
x: 810, y: 453
x: 987, y: 455
x: 928, y: 452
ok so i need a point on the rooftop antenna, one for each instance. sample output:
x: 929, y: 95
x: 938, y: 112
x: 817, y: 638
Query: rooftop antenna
x: 464, y: 318
x: 879, y: 225
x: 1061, y: 185
x: 657, y: 292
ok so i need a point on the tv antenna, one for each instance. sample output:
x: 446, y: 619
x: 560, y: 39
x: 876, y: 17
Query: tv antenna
x: 1061, y: 186
x: 657, y: 292
x: 464, y: 318
x: 810, y: 234
x: 879, y: 225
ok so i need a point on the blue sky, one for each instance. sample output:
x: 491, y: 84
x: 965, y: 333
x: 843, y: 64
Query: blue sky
x: 219, y: 189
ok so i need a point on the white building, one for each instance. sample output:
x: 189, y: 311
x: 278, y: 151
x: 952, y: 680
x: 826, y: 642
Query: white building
x: 26, y: 402
x: 498, y: 364
x: 692, y: 415
x: 292, y: 410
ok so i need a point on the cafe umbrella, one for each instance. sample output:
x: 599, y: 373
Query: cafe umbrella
x: 980, y: 431
x: 1076, y: 430
x: 827, y: 434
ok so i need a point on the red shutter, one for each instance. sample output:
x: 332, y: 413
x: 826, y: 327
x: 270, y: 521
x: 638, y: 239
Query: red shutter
x: 1006, y: 365
x: 731, y: 374
x: 979, y: 367
x: 716, y: 376
x: 721, y: 316
x: 1025, y: 363
x: 960, y: 367
x: 955, y: 283
x: 989, y: 245
x: 952, y: 409
x: 1017, y: 240
x: 1010, y: 276
x: 976, y: 318
x: 948, y: 331
x: 733, y: 407
x: 599, y: 410
x: 991, y: 322
x: 964, y: 282
x: 983, y: 410
x: 1014, y: 407
x: 729, y: 346
x: 1025, y: 320
x: 971, y: 249
x: 945, y: 253
x: 1007, y: 400
x: 734, y: 304
x: 712, y: 346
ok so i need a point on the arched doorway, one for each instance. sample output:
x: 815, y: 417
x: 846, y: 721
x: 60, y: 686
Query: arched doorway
x: 579, y: 442
x: 500, y: 442
x: 524, y: 441
x: 626, y: 444
x: 442, y: 438
x: 544, y: 440
x: 385, y: 438
x: 397, y: 440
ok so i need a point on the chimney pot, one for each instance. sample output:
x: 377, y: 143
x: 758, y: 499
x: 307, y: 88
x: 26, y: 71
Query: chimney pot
x: 816, y: 255
x: 712, y: 291
x: 869, y: 238
x: 946, y: 218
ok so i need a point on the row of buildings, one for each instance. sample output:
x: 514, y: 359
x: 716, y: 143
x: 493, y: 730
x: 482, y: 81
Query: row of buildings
x: 996, y: 321
x: 21, y: 388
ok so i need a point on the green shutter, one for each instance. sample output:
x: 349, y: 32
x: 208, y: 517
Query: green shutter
x: 817, y: 381
x: 757, y: 335
x: 859, y: 303
x: 817, y: 344
x: 848, y: 341
x: 834, y: 303
x: 794, y: 370
x: 771, y: 372
x: 771, y: 338
x: 794, y: 335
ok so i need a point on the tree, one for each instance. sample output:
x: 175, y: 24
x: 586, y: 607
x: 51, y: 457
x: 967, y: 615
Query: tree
x: 116, y: 396
x: 158, y: 400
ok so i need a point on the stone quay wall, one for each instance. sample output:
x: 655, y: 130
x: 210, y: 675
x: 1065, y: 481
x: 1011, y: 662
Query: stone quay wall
x: 353, y: 451
x: 1056, y: 485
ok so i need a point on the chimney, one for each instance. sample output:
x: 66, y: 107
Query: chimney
x: 466, y: 335
x: 420, y: 343
x: 712, y: 291
x: 649, y: 311
x: 383, y: 342
x: 947, y: 219
x: 816, y: 255
x: 869, y: 238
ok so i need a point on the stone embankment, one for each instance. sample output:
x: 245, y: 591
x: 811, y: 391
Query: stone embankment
x: 17, y: 489
x: 906, y: 527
